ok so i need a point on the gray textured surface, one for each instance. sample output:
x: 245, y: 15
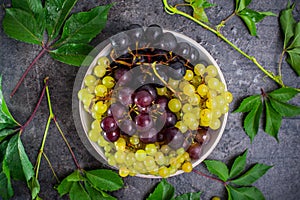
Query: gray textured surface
x: 243, y: 79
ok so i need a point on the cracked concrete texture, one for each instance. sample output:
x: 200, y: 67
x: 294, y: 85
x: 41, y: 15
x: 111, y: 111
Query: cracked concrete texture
x: 242, y: 77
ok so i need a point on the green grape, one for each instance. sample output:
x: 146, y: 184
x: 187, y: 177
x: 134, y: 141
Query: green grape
x: 211, y: 93
x: 164, y: 172
x: 165, y: 149
x: 205, y: 117
x: 228, y: 97
x: 194, y: 126
x: 150, y: 149
x: 202, y: 90
x: 207, y: 78
x: 91, y: 89
x: 81, y: 93
x: 100, y: 107
x: 172, y: 153
x: 182, y: 84
x: 87, y: 99
x: 174, y: 162
x: 216, y: 113
x: 134, y: 140
x: 160, y: 158
x: 149, y: 161
x: 108, y: 82
x: 130, y: 158
x: 187, y: 108
x: 96, y: 126
x: 189, y: 118
x: 173, y: 83
x: 103, y: 61
x: 100, y: 90
x: 199, y: 69
x: 196, y: 111
x: 111, y: 161
x: 186, y: 156
x: 197, y: 80
x: 187, y: 167
x: 220, y: 100
x: 152, y: 169
x: 89, y: 80
x: 180, y: 159
x: 96, y: 115
x: 215, y: 124
x: 102, y: 142
x: 189, y: 90
x: 221, y: 88
x: 94, y: 135
x: 139, y: 166
x: 181, y: 126
x: 188, y: 75
x: 224, y: 109
x: 194, y: 99
x: 174, y: 105
x: 180, y: 151
x: 123, y: 171
x: 107, y: 148
x: 140, y: 155
x: 162, y: 91
x: 120, y: 144
x: 211, y: 103
x: 213, y: 83
x: 211, y: 70
x: 120, y: 157
x: 100, y: 70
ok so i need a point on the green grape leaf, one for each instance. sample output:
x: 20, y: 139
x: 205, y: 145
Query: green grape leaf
x: 95, y: 194
x: 241, y: 4
x: 217, y: 168
x: 283, y: 94
x: 248, y: 103
x: 273, y: 120
x: 251, y: 17
x: 252, y: 175
x: 78, y: 192
x: 296, y: 39
x: 57, y: 13
x: 251, y: 122
x: 22, y: 26
x: 104, y: 179
x: 75, y: 176
x: 199, y: 9
x: 72, y: 54
x: 6, y: 132
x: 17, y: 160
x: 238, y: 165
x: 189, y: 196
x: 6, y: 190
x: 285, y: 109
x: 287, y: 24
x: 293, y: 59
x: 163, y: 191
x: 244, y: 193
x: 64, y: 187
x: 84, y: 26
x: 34, y: 187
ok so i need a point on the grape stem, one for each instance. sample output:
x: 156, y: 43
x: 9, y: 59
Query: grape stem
x: 173, y: 10
x: 210, y: 177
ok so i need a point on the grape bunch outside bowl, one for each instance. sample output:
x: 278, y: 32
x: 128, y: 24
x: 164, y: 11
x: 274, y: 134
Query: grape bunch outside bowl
x: 151, y: 103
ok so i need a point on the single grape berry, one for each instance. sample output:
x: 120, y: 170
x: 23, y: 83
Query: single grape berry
x: 108, y: 124
x: 112, y: 136
x: 194, y: 151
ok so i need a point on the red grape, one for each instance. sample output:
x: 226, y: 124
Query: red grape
x: 112, y: 136
x: 143, y: 122
x: 194, y: 150
x: 142, y: 98
x: 108, y: 124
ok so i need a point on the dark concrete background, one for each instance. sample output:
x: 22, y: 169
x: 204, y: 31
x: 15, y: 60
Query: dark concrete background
x: 243, y: 79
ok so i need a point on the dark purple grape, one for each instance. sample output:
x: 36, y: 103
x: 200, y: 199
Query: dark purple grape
x: 120, y: 41
x: 171, y: 119
x: 124, y: 95
x: 112, y: 136
x: 194, y: 55
x: 149, y: 88
x: 108, y: 124
x: 183, y: 49
x: 117, y: 110
x: 118, y: 73
x: 144, y: 109
x: 161, y: 103
x: 173, y: 137
x: 179, y: 69
x: 143, y: 98
x: 194, y: 151
x: 143, y: 122
x: 135, y: 33
x: 167, y: 41
x: 149, y: 136
x: 202, y: 137
x: 152, y: 33
x: 127, y: 126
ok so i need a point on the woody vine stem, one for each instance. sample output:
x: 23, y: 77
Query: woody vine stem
x: 173, y: 10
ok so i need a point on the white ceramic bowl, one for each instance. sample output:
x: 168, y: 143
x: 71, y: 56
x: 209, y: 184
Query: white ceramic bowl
x: 83, y: 119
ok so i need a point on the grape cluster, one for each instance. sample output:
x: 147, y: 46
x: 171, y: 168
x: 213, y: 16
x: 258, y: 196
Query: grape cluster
x: 151, y: 107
